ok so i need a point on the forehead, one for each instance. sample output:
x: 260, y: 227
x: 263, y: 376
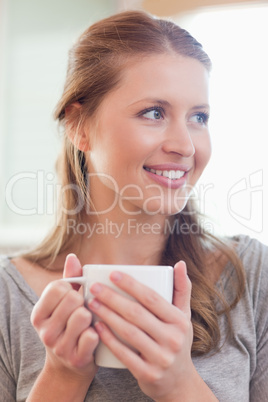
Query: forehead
x: 169, y: 76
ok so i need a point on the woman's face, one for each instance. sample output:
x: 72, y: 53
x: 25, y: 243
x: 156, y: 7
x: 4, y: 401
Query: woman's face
x: 151, y: 141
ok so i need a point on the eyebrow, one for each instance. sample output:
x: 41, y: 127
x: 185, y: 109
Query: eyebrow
x: 202, y: 106
x: 153, y: 100
x: 166, y: 103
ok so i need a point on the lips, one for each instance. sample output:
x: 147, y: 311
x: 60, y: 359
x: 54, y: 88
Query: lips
x: 168, y: 175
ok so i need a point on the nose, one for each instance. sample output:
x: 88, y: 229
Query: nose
x: 178, y: 140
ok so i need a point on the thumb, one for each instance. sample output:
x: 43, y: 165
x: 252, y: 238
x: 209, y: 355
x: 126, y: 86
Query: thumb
x: 182, y: 288
x: 72, y: 268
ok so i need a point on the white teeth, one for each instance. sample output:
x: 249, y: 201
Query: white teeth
x: 170, y: 174
x: 179, y: 174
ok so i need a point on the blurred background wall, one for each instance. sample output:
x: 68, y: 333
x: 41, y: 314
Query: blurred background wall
x: 34, y: 40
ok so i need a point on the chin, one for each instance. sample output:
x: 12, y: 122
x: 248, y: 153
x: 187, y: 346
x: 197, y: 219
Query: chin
x: 166, y: 209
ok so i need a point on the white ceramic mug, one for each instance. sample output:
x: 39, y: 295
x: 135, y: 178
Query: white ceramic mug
x: 156, y: 277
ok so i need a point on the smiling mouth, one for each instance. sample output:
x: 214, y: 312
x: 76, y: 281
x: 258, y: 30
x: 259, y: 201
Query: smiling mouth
x: 170, y: 174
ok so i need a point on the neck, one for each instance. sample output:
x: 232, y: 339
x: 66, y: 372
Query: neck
x: 134, y: 241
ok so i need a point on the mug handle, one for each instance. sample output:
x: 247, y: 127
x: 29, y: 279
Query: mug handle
x: 80, y: 280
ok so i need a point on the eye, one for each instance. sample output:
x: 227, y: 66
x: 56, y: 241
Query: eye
x: 200, y: 118
x: 154, y: 113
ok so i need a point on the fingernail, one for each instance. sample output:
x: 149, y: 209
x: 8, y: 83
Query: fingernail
x: 99, y: 326
x: 96, y: 288
x: 94, y: 304
x: 116, y: 276
x: 71, y: 255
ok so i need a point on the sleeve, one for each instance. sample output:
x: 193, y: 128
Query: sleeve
x: 259, y: 383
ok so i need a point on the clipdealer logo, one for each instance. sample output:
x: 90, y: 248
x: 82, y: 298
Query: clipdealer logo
x: 134, y: 227
x: 244, y: 199
x: 47, y: 194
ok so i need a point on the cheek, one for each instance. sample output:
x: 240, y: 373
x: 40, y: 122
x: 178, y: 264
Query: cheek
x: 202, y: 153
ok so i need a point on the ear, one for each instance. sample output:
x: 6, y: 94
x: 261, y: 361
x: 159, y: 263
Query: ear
x: 77, y: 132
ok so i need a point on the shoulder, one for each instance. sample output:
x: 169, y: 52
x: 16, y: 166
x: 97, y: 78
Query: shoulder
x: 254, y: 257
x: 17, y: 300
x: 12, y: 283
x: 18, y: 367
x: 30, y: 277
x: 7, y: 271
x: 249, y: 248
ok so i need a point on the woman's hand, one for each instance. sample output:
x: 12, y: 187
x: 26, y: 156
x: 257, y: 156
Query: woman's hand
x: 161, y: 333
x: 63, y: 325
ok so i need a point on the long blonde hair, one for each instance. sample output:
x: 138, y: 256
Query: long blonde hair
x: 95, y: 65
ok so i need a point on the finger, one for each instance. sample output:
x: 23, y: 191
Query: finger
x: 161, y: 354
x: 49, y: 300
x: 72, y: 268
x: 182, y: 288
x: 110, y: 302
x: 157, y: 345
x: 149, y: 298
x: 78, y: 322
x: 136, y: 365
x: 130, y: 333
x: 52, y: 327
x: 87, y: 343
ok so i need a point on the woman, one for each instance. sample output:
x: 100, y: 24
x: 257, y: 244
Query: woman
x: 135, y: 115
